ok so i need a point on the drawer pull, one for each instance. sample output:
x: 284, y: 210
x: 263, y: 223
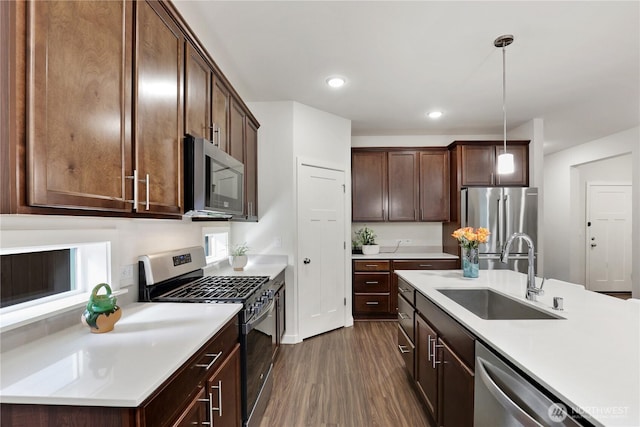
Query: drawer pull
x: 426, y: 265
x: 371, y: 283
x: 219, y: 408
x: 207, y: 367
x: 403, y: 290
x: 372, y: 303
x: 371, y: 265
x: 403, y: 316
x: 403, y: 349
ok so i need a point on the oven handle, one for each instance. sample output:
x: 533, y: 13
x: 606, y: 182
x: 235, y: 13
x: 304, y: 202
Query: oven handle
x: 248, y: 327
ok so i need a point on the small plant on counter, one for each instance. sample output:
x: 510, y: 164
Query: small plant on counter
x: 240, y: 249
x: 366, y: 236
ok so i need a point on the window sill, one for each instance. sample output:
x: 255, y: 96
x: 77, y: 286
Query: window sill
x: 21, y: 317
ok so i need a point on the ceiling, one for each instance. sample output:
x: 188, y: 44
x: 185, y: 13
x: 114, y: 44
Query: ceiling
x: 574, y: 64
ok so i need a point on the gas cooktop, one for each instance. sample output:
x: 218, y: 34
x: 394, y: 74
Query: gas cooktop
x: 216, y: 289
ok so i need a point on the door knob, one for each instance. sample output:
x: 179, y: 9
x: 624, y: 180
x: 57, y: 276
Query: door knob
x: 306, y: 261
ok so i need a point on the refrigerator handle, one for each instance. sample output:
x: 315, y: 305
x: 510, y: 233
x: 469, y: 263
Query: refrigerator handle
x: 506, y: 218
x: 499, y: 230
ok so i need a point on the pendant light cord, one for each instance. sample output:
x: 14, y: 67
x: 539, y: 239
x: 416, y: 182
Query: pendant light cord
x: 504, y: 95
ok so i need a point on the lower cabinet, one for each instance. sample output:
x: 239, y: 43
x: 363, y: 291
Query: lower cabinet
x: 440, y: 357
x: 224, y: 392
x: 375, y: 287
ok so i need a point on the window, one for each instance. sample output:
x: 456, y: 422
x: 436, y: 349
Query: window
x: 34, y: 275
x: 216, y: 245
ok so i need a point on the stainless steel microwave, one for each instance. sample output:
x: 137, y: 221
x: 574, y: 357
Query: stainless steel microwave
x: 214, y: 181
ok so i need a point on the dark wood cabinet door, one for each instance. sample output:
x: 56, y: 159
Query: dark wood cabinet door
x: 478, y: 165
x: 251, y: 171
x: 224, y: 392
x: 196, y: 414
x: 197, y: 94
x: 402, y: 172
x: 426, y: 369
x: 457, y: 390
x: 434, y: 185
x: 520, y: 175
x: 158, y: 118
x: 237, y: 119
x: 369, y: 185
x: 79, y: 104
x: 220, y: 104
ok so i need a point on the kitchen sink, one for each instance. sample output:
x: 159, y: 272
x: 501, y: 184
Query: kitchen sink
x: 491, y: 305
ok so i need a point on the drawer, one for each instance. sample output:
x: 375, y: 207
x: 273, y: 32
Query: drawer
x: 374, y: 265
x: 451, y: 332
x: 371, y: 282
x: 165, y: 404
x: 407, y: 351
x: 371, y: 303
x: 406, y: 317
x: 407, y: 291
x: 425, y: 264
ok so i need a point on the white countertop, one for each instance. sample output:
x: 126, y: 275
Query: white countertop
x: 120, y: 368
x: 405, y: 255
x: 590, y: 360
x: 255, y: 267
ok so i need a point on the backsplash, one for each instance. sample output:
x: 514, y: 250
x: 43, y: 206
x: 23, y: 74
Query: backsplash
x: 414, y: 235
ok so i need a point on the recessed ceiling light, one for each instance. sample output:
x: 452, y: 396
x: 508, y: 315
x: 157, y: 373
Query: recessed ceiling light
x: 434, y: 114
x: 336, y: 82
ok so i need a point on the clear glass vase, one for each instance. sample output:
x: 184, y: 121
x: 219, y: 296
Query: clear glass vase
x: 470, y: 263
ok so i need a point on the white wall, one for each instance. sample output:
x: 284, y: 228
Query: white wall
x: 289, y: 131
x: 560, y: 170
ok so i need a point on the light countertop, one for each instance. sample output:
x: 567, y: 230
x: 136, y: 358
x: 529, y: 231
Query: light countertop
x: 590, y: 360
x: 405, y: 255
x: 120, y: 368
x: 257, y: 266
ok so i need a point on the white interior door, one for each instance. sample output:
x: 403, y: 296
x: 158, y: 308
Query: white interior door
x: 608, y: 237
x: 321, y: 252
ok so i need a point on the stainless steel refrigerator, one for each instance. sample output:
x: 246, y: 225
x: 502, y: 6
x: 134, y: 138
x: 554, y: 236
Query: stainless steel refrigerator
x: 504, y: 211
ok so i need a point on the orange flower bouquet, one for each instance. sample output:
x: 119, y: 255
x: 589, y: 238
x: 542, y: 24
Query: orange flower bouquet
x: 470, y: 238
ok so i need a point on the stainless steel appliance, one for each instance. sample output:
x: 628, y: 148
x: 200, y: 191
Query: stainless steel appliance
x: 504, y: 211
x: 177, y: 276
x: 504, y: 397
x: 213, y: 180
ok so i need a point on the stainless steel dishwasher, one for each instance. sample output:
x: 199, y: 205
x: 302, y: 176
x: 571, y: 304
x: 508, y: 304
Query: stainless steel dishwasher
x: 505, y: 398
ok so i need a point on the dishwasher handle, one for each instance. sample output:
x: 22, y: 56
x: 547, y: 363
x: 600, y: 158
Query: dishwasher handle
x: 501, y: 397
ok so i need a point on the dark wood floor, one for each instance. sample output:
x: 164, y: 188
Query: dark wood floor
x: 621, y: 295
x: 350, y: 377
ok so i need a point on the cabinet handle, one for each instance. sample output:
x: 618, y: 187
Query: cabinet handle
x: 403, y: 316
x: 492, y: 179
x: 219, y: 408
x: 426, y: 265
x: 210, y: 422
x: 434, y: 361
x: 134, y: 177
x: 372, y: 303
x: 403, y: 290
x: 371, y: 283
x: 371, y: 265
x: 429, y: 348
x: 148, y: 184
x: 207, y: 367
x: 403, y: 349
x: 210, y: 408
x: 216, y: 131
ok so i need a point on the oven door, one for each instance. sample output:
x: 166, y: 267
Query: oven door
x: 260, y: 336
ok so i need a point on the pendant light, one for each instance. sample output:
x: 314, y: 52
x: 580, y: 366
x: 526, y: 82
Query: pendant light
x: 505, y: 160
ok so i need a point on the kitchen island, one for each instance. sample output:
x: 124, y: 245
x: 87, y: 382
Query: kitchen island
x: 589, y: 359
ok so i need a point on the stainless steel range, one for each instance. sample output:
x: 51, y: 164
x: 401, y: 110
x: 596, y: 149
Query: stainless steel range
x: 177, y: 276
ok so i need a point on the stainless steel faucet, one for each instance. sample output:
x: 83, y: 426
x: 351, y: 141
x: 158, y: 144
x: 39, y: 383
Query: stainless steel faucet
x: 532, y: 291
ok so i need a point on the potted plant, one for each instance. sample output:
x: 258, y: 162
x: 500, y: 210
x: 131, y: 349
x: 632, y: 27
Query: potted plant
x: 367, y: 238
x: 238, y: 257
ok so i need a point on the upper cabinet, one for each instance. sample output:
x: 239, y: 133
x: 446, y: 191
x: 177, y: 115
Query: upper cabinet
x: 158, y: 117
x: 369, y: 185
x: 101, y: 95
x: 477, y: 163
x: 78, y: 105
x: 197, y: 94
x: 400, y: 184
